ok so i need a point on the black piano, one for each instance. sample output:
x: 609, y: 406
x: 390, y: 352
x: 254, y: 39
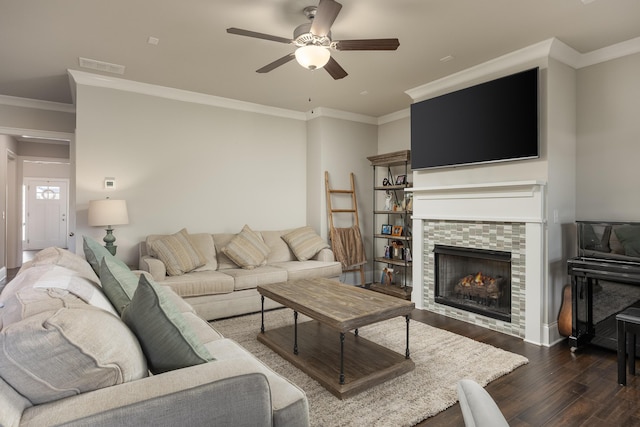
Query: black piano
x: 605, y: 279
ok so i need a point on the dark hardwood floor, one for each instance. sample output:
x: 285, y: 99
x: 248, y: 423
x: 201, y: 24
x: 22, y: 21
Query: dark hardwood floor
x: 556, y: 388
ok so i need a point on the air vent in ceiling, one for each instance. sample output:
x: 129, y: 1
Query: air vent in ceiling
x: 101, y: 66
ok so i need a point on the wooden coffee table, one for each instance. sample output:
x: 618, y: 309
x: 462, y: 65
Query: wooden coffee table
x: 343, y: 362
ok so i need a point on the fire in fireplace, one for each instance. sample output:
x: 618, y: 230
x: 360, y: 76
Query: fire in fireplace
x: 475, y: 280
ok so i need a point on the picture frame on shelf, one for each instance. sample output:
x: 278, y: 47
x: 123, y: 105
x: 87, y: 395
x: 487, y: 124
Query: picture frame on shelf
x: 401, y: 179
x: 396, y: 230
x: 386, y: 229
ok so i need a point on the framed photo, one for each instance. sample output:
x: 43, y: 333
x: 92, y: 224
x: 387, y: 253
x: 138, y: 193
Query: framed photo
x: 386, y: 229
x: 401, y: 179
x: 396, y: 230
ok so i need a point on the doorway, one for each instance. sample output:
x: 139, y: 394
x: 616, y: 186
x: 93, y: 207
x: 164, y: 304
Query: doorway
x: 45, y: 213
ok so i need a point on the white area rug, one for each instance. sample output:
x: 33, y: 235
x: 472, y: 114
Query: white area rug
x: 442, y: 358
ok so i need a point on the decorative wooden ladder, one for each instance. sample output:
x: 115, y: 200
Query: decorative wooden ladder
x: 353, y: 210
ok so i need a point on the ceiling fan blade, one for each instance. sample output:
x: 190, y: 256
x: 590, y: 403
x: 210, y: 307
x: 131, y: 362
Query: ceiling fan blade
x: 253, y: 34
x: 335, y: 70
x: 367, y: 44
x: 276, y: 63
x: 325, y: 15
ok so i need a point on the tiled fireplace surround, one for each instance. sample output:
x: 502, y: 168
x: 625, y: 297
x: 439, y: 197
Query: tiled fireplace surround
x: 506, y: 216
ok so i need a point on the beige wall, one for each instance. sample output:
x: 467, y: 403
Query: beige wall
x: 608, y: 146
x: 340, y: 147
x: 181, y: 164
x: 36, y: 118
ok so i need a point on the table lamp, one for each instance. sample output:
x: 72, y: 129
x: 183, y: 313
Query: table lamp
x: 108, y: 212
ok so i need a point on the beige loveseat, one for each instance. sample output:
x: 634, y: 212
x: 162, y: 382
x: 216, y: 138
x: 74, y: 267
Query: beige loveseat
x: 117, y: 349
x: 220, y: 287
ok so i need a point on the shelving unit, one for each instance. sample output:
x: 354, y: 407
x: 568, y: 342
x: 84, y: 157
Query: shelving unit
x: 395, y: 214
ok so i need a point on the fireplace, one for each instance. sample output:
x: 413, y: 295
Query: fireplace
x: 504, y: 217
x: 474, y: 280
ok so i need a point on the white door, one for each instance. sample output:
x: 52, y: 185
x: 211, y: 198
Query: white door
x: 46, y: 212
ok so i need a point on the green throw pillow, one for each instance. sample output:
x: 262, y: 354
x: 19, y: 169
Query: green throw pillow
x: 629, y: 236
x: 166, y: 338
x: 118, y: 282
x: 94, y: 252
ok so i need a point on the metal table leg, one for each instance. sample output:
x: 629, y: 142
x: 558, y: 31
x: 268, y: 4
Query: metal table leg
x: 341, y: 358
x: 295, y: 332
x: 262, y: 314
x: 406, y: 354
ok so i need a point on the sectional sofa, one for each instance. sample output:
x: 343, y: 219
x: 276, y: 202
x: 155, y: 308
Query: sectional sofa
x: 220, y: 280
x: 90, y: 342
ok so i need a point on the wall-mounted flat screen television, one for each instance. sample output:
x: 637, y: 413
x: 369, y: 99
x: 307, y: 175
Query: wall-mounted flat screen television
x: 490, y: 122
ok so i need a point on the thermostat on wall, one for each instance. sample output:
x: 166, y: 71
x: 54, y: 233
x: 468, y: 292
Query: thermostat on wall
x: 110, y: 183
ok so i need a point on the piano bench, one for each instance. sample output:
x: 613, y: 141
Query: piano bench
x: 628, y: 325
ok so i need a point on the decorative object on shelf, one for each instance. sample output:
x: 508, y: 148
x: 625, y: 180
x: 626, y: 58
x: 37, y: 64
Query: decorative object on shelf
x: 386, y: 229
x: 401, y: 179
x: 386, y: 182
x: 396, y: 230
x: 387, y: 276
x: 397, y: 250
x: 108, y: 212
x: 388, y: 201
x: 410, y: 202
x: 387, y: 252
x: 407, y: 255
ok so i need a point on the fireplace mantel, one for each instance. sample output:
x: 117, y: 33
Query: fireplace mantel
x: 518, y: 201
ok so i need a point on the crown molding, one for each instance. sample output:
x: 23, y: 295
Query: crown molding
x: 339, y: 114
x: 43, y: 134
x: 37, y: 104
x: 533, y: 53
x: 392, y: 117
x: 97, y: 80
x: 618, y: 50
x: 539, y: 52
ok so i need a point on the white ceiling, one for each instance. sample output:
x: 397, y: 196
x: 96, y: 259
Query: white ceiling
x: 40, y: 40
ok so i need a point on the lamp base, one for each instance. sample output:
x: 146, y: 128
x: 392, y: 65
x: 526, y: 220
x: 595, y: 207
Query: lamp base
x: 109, y: 239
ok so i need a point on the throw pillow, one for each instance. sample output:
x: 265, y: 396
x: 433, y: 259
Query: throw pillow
x: 629, y: 237
x: 166, y: 338
x: 94, y: 252
x: 73, y: 350
x: 304, y: 242
x: 247, y: 249
x: 65, y: 258
x: 118, y: 282
x: 177, y: 253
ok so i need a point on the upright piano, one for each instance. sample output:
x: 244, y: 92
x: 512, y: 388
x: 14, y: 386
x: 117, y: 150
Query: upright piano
x: 605, y: 279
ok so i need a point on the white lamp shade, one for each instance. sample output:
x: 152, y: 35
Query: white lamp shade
x: 312, y: 57
x: 108, y: 212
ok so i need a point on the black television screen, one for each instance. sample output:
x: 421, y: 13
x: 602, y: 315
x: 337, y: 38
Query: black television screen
x: 490, y: 122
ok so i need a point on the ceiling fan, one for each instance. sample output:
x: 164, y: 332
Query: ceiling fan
x: 313, y: 41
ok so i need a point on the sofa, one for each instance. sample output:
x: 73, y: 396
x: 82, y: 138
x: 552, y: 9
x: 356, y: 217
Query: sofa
x: 87, y: 341
x: 217, y: 274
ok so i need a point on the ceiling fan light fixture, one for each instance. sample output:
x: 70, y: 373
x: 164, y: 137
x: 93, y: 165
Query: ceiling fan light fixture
x: 312, y: 57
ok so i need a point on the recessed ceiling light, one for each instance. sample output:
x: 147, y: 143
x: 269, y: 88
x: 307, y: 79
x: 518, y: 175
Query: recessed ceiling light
x: 364, y: 92
x: 153, y: 40
x: 446, y: 58
x: 587, y: 1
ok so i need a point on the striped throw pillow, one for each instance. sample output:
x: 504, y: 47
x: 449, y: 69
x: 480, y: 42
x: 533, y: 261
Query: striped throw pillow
x: 247, y: 249
x: 304, y: 242
x: 177, y: 253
